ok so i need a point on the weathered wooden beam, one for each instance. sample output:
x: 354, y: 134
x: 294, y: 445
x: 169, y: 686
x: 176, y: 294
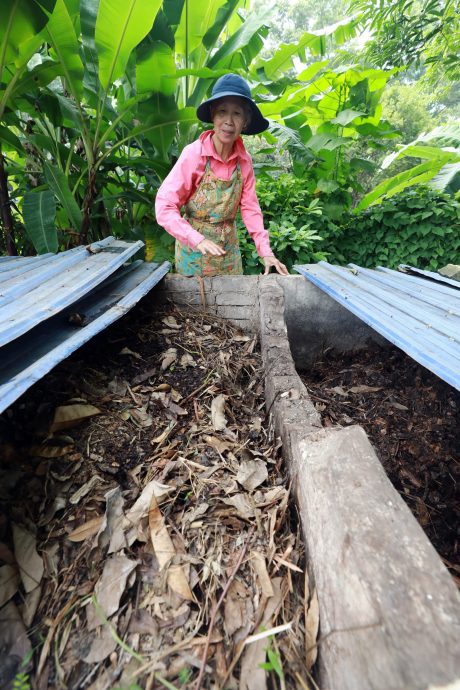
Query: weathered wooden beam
x: 389, y: 610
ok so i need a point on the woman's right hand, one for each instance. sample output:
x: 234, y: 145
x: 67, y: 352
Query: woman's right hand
x: 210, y: 247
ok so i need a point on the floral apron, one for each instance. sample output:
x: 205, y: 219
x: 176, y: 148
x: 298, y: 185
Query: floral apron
x: 211, y: 210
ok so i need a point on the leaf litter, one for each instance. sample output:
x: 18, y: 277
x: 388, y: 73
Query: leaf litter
x: 147, y: 538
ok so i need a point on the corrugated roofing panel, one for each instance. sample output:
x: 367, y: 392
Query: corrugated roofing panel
x: 46, y: 291
x: 429, y: 274
x: 28, y: 358
x: 420, y: 316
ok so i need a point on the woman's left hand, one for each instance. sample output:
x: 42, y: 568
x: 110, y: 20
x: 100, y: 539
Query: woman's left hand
x: 270, y: 261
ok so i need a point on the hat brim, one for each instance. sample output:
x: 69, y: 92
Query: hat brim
x: 258, y: 123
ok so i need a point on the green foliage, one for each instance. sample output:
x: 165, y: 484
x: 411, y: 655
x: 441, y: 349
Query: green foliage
x: 294, y: 219
x: 21, y: 682
x: 420, y: 227
x: 274, y: 661
x: 440, y: 151
x: 407, y: 32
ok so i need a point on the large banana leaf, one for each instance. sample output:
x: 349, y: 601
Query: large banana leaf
x: 58, y: 182
x: 41, y: 75
x: 241, y: 38
x: 222, y: 21
x: 39, y: 213
x: 156, y: 127
x: 20, y: 21
x: 121, y: 25
x: 448, y: 178
x: 61, y: 34
x: 196, y: 20
x: 155, y: 67
x: 9, y: 140
x: 314, y: 42
x: 419, y: 174
x: 20, y: 24
x: 88, y: 18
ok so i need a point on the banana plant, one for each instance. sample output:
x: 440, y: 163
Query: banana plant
x: 21, y: 22
x: 439, y: 151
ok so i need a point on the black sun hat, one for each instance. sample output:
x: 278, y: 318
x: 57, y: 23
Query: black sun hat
x: 234, y: 85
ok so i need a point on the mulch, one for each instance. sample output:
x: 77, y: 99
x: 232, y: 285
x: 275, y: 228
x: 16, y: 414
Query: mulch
x: 413, y: 421
x: 147, y: 536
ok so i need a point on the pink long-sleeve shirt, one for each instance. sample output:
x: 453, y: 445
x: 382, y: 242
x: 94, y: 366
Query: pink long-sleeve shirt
x: 185, y: 177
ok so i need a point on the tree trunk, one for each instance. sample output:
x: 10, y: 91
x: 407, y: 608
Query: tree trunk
x: 87, y: 206
x: 5, y: 210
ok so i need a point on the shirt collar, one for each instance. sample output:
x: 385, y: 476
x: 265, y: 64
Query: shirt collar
x: 207, y: 147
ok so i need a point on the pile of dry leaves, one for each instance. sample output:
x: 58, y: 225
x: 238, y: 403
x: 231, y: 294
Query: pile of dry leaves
x: 413, y: 420
x: 147, y: 538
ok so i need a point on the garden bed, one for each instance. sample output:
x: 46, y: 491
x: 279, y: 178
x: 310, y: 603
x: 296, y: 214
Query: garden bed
x: 413, y: 421
x: 148, y: 543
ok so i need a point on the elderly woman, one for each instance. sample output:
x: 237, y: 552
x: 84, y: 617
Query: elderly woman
x: 211, y: 179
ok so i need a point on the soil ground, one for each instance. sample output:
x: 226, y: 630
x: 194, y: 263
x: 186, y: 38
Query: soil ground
x: 146, y: 531
x: 413, y: 420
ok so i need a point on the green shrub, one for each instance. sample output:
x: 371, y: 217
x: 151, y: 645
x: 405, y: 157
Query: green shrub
x: 420, y: 227
x: 295, y: 220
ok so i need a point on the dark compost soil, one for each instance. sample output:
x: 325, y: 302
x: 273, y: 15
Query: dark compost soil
x: 413, y: 420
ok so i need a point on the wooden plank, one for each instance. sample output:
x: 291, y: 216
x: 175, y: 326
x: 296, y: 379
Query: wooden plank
x: 389, y: 610
x: 379, y: 579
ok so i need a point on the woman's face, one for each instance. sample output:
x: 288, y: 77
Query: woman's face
x: 229, y: 119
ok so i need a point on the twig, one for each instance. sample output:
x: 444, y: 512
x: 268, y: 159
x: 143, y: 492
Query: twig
x: 216, y: 608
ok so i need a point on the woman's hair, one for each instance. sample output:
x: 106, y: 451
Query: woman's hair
x: 244, y: 104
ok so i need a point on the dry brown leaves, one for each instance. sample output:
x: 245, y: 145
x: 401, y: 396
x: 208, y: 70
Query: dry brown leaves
x: 147, y: 536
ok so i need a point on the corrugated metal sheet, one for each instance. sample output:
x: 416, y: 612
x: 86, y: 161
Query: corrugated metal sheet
x: 420, y: 316
x: 429, y: 274
x: 46, y: 290
x: 38, y: 294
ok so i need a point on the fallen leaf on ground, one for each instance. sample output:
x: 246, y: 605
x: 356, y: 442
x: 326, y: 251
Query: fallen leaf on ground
x: 242, y: 505
x: 127, y: 351
x: 217, y: 444
x: 218, y: 418
x: 187, y: 360
x: 109, y: 588
x: 252, y: 473
x: 14, y: 643
x: 87, y: 529
x: 141, y: 416
x: 84, y: 490
x: 364, y: 389
x: 102, y: 646
x: 311, y: 631
x: 171, y: 322
x: 29, y: 562
x: 9, y: 583
x: 238, y: 608
x: 168, y: 358
x: 67, y: 416
x: 259, y: 564
x: 165, y: 551
x: 138, y: 513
